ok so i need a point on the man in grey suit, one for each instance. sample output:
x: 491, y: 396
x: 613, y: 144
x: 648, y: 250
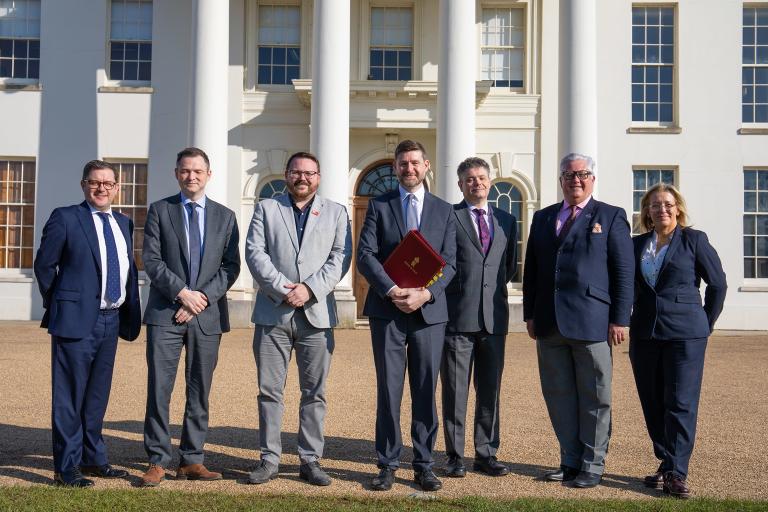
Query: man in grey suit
x: 478, y: 317
x: 191, y: 256
x: 299, y: 247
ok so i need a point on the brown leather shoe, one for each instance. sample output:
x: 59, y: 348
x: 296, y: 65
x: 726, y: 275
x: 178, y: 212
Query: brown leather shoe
x: 676, y: 486
x: 196, y: 472
x: 154, y: 475
x: 654, y: 481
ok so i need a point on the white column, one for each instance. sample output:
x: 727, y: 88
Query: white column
x: 329, y: 128
x: 578, y: 78
x: 329, y: 124
x: 210, y: 72
x: 456, y: 93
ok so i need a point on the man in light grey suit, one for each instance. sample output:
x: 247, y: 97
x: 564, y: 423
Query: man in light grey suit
x: 478, y: 317
x: 299, y: 247
x: 191, y: 256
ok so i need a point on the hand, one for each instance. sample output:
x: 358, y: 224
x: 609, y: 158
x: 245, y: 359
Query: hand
x: 616, y: 334
x: 183, y: 315
x: 409, y: 300
x: 531, y: 329
x: 195, y: 301
x: 298, y: 296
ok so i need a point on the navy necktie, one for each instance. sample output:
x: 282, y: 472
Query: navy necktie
x: 194, y: 245
x: 485, y: 233
x: 112, y: 292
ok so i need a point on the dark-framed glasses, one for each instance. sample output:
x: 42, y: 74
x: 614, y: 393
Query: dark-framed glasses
x: 95, y: 184
x: 297, y: 173
x: 572, y: 175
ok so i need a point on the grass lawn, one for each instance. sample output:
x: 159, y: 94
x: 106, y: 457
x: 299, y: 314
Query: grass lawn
x: 50, y: 498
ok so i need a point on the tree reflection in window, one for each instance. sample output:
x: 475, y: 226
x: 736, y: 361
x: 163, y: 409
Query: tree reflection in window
x: 272, y: 189
x: 377, y: 181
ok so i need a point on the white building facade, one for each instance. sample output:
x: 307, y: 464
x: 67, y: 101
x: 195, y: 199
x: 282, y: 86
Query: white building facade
x: 672, y: 90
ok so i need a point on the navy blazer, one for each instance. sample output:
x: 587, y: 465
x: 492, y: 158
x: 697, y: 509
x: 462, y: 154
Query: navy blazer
x: 382, y: 231
x: 68, y: 272
x: 672, y: 309
x: 581, y: 285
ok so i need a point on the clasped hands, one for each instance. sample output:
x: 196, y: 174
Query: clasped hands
x: 192, y: 303
x: 409, y: 300
x: 298, y: 296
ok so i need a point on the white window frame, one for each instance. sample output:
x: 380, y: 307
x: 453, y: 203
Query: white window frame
x: 754, y: 281
x: 753, y: 124
x: 649, y: 167
x: 526, y: 48
x: 108, y: 81
x: 22, y: 272
x: 25, y: 81
x: 364, y: 41
x: 119, y: 162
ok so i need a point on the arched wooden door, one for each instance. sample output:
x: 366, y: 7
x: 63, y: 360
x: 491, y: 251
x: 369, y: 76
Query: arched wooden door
x: 376, y: 180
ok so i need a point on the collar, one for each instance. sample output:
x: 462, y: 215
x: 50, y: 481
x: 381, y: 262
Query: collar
x: 486, y: 207
x: 306, y: 206
x: 580, y: 206
x: 419, y: 193
x: 94, y: 210
x: 185, y: 200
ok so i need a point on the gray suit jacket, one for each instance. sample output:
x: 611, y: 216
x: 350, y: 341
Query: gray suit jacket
x: 166, y: 261
x: 477, y: 295
x: 274, y: 257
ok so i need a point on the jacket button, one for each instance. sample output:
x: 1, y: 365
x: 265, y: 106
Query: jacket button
x: 485, y: 285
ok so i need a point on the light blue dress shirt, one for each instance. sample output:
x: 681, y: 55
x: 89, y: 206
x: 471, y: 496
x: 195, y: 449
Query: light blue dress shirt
x: 200, y: 217
x: 651, y: 261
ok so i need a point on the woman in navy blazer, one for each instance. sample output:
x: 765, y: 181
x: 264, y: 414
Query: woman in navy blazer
x: 669, y: 329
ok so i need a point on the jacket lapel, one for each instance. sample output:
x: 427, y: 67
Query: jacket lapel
x: 85, y: 217
x: 315, y: 211
x: 640, y: 242
x: 584, y: 218
x: 286, y: 212
x: 176, y: 215
x: 212, y: 223
x: 498, y: 237
x: 397, y: 211
x: 464, y: 217
x: 673, y: 246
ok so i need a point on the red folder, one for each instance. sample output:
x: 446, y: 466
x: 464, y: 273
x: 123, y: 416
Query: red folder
x: 413, y: 263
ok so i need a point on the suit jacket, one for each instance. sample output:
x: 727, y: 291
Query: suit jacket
x: 382, y: 231
x: 166, y: 261
x: 477, y: 294
x: 68, y: 271
x: 583, y: 283
x: 274, y: 257
x: 672, y: 309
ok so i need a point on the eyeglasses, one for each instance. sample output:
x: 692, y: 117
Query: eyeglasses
x: 95, y: 184
x: 662, y: 206
x: 296, y: 173
x: 572, y: 175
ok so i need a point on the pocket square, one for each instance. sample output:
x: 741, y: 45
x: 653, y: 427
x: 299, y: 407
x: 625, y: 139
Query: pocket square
x: 597, y: 228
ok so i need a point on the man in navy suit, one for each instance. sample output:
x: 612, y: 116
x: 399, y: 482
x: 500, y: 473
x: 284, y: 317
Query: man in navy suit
x: 89, y: 283
x: 407, y: 324
x: 577, y: 298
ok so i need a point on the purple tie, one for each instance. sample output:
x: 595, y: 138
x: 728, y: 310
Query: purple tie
x: 566, y: 227
x: 485, y: 235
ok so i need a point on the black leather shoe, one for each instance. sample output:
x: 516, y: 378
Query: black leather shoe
x: 455, y: 468
x: 427, y: 480
x: 676, y: 486
x: 654, y: 481
x: 384, y: 480
x: 72, y: 478
x: 105, y: 471
x: 490, y: 466
x: 585, y: 480
x: 563, y: 474
x: 314, y: 474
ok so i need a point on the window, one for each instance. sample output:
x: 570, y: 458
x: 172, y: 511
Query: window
x: 756, y: 223
x: 505, y: 196
x: 17, y: 213
x: 653, y: 62
x: 391, y: 51
x: 272, y: 189
x: 20, y: 39
x: 377, y: 181
x: 131, y: 200
x: 502, y: 54
x: 130, y: 52
x: 642, y: 180
x: 279, y: 44
x: 754, y: 71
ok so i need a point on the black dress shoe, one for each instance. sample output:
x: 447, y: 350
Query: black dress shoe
x: 71, y: 478
x: 563, y: 474
x: 384, y: 480
x: 585, y: 480
x: 455, y: 468
x: 105, y: 471
x: 676, y: 486
x: 490, y: 466
x: 427, y: 480
x: 654, y: 481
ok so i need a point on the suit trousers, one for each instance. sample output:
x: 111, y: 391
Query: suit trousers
x: 467, y: 356
x: 164, y: 345
x: 81, y: 377
x: 576, y: 384
x: 668, y: 376
x: 272, y: 348
x: 406, y: 342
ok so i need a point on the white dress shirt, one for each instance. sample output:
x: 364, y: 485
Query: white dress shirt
x: 122, y: 257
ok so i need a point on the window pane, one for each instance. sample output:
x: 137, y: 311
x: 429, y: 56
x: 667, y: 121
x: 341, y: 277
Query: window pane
x: 749, y: 224
x: 750, y: 201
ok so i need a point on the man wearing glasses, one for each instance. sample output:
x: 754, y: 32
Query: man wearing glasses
x: 89, y: 283
x: 577, y: 298
x: 299, y: 246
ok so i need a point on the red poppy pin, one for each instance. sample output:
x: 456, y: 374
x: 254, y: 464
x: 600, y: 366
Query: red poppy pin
x: 315, y: 212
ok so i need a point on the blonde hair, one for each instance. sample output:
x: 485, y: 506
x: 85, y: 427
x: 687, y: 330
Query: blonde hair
x: 644, y: 222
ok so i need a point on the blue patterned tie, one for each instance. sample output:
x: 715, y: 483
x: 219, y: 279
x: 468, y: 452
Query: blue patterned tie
x: 112, y: 293
x: 194, y: 245
x: 411, y: 212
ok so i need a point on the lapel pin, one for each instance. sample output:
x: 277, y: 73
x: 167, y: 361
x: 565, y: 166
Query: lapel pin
x: 315, y: 212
